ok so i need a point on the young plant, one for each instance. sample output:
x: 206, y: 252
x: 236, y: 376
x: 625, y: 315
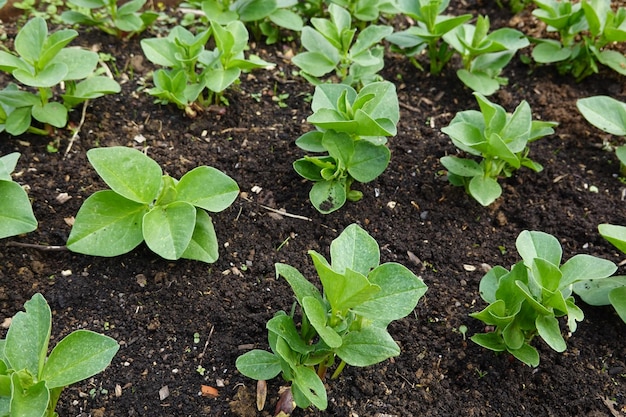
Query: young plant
x: 429, y: 32
x: 611, y: 290
x: 124, y: 21
x: 330, y: 48
x: 527, y: 300
x: 351, y: 131
x: 192, y: 68
x: 585, y: 30
x: 484, y: 54
x: 260, y: 16
x: 143, y: 204
x: 499, y: 138
x: 348, y: 320
x: 30, y: 380
x: 16, y: 213
x: 43, y: 62
x: 609, y: 115
x: 367, y: 10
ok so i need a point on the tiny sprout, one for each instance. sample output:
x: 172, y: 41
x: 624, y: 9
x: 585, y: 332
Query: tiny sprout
x: 196, y: 338
x: 463, y: 330
x: 200, y: 369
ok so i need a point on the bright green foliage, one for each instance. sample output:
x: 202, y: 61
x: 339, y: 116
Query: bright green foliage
x: 16, y: 213
x: 585, y: 30
x: 30, y: 381
x: 43, y: 62
x: 609, y: 115
x: 331, y: 47
x: 348, y: 320
x: 351, y: 131
x: 260, y: 16
x: 612, y: 290
x: 484, y: 54
x: 124, y: 21
x: 143, y: 204
x: 500, y: 138
x: 192, y: 68
x: 367, y: 10
x: 429, y: 32
x: 526, y: 301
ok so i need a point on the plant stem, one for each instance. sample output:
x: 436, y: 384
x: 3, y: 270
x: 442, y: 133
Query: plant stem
x: 338, y: 370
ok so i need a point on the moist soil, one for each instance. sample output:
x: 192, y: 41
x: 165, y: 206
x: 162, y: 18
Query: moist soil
x: 153, y: 307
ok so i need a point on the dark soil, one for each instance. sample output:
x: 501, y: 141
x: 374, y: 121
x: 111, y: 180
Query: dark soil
x: 153, y: 307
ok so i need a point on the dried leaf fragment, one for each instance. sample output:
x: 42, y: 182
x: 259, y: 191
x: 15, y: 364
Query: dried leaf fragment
x: 261, y: 394
x: 209, y: 391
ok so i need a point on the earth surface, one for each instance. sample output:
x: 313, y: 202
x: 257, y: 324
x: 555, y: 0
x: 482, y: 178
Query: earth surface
x: 154, y: 307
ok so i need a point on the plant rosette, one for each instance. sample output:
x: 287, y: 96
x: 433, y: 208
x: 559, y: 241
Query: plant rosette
x: 348, y: 320
x: 30, y: 380
x: 527, y: 300
x: 143, y: 204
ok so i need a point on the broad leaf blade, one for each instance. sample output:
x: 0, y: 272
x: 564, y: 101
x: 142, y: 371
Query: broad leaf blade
x: 208, y: 188
x: 16, y: 213
x: 354, y: 249
x: 258, y: 364
x: 80, y: 355
x: 168, y: 229
x: 367, y: 346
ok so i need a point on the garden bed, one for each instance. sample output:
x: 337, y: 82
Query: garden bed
x: 153, y: 307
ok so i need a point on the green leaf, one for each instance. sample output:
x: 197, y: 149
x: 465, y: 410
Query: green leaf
x: 548, y: 328
x: 51, y: 113
x: 546, y: 274
x: 343, y: 290
x: 550, y: 51
x: 368, y: 346
x: 107, y: 224
x: 326, y: 96
x: 8, y: 163
x: 203, y: 245
x: 585, y: 267
x: 299, y: 284
x: 316, y: 313
x: 484, y: 189
x: 28, y: 401
x: 258, y: 364
x: 311, y: 386
x: 479, y: 82
x: 491, y: 341
x: 92, y: 87
x: 489, y: 283
x: 81, y: 63
x: 30, y: 39
x: 252, y: 10
x: 400, y: 291
x: 16, y: 213
x: 605, y: 113
x: 18, y: 121
x: 208, y: 188
x: 618, y: 300
x: 534, y: 244
x: 311, y: 141
x: 168, y: 229
x: 527, y: 354
x: 50, y: 76
x: 614, y: 234
x: 614, y: 60
x: 78, y: 356
x: 287, y: 19
x: 128, y: 172
x: 596, y: 292
x: 461, y: 166
x: 328, y: 196
x: 283, y: 326
x: 354, y: 249
x: 27, y: 339
x: 368, y: 161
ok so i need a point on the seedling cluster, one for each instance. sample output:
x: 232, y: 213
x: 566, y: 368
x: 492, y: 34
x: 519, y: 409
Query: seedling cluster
x: 354, y: 113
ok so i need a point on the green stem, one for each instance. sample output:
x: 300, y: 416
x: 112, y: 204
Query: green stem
x: 338, y: 370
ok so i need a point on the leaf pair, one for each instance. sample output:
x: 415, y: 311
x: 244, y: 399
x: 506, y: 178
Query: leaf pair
x: 192, y: 68
x: 526, y: 301
x: 44, y: 62
x: 500, y: 138
x: 329, y: 47
x: 348, y: 320
x: 143, y: 204
x: 30, y: 380
x: 352, y: 130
